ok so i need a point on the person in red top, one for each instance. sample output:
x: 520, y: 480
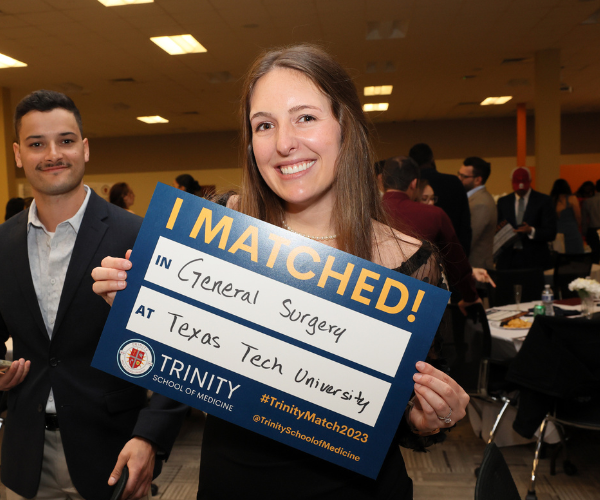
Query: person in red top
x: 427, y: 222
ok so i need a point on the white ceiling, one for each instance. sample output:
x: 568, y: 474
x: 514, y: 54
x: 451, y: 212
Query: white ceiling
x: 80, y: 47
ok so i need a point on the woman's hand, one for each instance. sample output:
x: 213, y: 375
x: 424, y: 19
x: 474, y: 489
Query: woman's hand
x: 440, y: 402
x: 111, y: 277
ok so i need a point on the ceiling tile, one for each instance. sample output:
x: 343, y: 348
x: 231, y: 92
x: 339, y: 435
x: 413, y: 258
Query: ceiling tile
x: 12, y: 21
x: 24, y: 7
x: 69, y: 4
x: 179, y: 6
x: 24, y: 32
x: 52, y: 19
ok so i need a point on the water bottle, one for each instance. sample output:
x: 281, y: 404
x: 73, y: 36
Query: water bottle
x: 548, y: 300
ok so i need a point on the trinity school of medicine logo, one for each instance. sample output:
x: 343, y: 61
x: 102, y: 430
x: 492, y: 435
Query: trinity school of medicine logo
x: 135, y: 358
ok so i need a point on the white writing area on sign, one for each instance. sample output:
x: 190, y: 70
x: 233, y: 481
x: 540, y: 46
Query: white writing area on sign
x: 255, y: 355
x: 277, y: 306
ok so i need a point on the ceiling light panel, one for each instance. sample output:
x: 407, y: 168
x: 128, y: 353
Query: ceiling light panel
x: 380, y: 90
x: 116, y: 3
x: 376, y: 106
x: 180, y: 44
x: 9, y: 62
x: 152, y: 119
x: 495, y: 101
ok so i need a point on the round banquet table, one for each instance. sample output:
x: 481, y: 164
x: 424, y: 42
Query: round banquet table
x: 507, y: 342
x: 505, y: 345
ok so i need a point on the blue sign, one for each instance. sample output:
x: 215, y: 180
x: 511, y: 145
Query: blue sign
x: 269, y: 330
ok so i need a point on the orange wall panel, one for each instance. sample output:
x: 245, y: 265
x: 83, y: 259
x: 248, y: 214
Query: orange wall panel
x: 576, y: 175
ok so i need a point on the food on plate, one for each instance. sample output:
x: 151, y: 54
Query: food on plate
x: 517, y: 323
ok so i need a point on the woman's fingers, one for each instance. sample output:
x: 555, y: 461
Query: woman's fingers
x: 440, y: 392
x: 112, y: 269
x: 432, y: 402
x: 108, y: 281
x: 440, y: 401
x: 429, y: 415
x: 108, y: 274
x: 436, y: 386
x: 423, y: 417
x: 117, y: 263
x: 442, y: 395
x: 111, y: 277
x: 108, y: 289
x: 429, y: 375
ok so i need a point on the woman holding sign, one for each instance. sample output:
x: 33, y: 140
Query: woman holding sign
x: 308, y: 168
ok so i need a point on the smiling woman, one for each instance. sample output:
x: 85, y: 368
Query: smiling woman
x: 308, y: 167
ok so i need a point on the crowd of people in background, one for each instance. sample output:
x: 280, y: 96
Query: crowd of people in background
x: 472, y: 212
x: 464, y: 221
x: 469, y: 210
x: 576, y: 218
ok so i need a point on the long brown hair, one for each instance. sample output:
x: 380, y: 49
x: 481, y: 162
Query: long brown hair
x: 357, y: 198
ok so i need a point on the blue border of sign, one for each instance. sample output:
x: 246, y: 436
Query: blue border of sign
x: 255, y: 407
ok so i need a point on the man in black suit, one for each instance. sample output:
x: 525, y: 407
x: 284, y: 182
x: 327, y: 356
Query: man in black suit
x: 534, y: 219
x: 67, y: 424
x: 450, y: 192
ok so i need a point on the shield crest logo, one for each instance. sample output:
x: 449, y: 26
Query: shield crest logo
x: 136, y: 358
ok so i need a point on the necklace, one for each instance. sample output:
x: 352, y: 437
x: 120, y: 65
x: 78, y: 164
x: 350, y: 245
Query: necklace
x: 315, y: 238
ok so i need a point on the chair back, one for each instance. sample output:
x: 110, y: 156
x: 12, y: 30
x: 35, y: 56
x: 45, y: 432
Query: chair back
x: 559, y: 357
x: 567, y: 268
x: 465, y: 344
x: 495, y: 482
x: 531, y: 281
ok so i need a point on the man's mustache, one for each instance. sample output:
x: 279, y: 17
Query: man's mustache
x: 46, y: 166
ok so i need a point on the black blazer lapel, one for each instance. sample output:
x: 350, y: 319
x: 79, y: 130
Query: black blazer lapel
x: 532, y: 208
x: 89, y: 237
x: 17, y: 240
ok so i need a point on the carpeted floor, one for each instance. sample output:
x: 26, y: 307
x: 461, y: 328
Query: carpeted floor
x: 446, y: 472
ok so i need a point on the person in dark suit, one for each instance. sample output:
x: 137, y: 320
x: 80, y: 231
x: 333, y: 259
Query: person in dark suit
x: 67, y: 424
x: 450, y: 192
x: 532, y: 215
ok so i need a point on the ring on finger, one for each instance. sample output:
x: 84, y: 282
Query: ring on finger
x: 447, y: 418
